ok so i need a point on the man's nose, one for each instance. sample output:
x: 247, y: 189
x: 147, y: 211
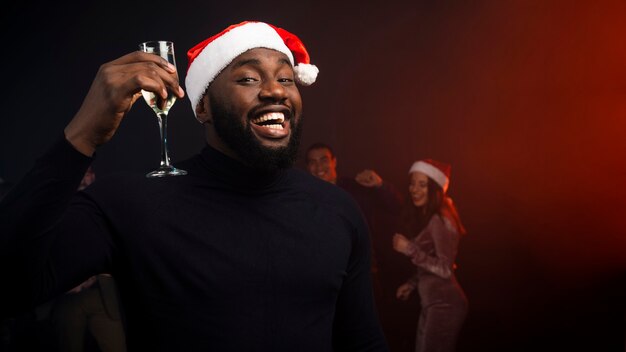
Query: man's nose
x: 272, y: 90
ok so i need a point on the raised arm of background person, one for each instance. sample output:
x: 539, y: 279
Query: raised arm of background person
x: 387, y: 195
x: 44, y: 248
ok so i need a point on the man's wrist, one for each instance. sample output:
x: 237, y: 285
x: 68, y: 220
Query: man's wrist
x: 80, y: 144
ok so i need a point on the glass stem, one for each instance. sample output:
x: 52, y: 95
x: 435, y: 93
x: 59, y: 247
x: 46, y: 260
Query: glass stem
x: 165, y: 159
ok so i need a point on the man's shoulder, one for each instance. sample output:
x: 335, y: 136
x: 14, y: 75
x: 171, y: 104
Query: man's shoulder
x: 332, y: 200
x: 115, y: 183
x: 321, y: 191
x: 351, y: 186
x: 314, y: 184
x: 130, y: 186
x: 347, y: 182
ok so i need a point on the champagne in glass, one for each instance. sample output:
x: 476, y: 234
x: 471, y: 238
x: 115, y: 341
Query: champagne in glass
x: 165, y: 49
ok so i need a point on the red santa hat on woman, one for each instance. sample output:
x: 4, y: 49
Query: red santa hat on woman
x: 208, y: 58
x: 436, y: 170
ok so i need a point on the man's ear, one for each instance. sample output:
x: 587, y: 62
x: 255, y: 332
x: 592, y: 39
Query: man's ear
x: 203, y: 112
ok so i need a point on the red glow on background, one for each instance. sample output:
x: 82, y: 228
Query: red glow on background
x: 527, y: 101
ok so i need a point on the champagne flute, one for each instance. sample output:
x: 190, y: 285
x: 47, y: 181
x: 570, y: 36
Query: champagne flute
x: 164, y: 49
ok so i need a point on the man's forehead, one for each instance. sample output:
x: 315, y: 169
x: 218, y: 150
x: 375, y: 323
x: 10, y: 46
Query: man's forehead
x: 320, y: 153
x: 257, y: 55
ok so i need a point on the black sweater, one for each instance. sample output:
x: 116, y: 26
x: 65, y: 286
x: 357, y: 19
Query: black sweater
x: 223, y: 259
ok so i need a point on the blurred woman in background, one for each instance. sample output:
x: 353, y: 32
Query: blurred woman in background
x: 429, y: 234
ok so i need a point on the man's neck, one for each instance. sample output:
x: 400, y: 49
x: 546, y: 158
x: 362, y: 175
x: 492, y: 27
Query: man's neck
x: 221, y: 147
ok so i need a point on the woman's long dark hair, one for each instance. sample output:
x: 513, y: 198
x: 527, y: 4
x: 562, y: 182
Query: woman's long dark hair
x: 414, y: 219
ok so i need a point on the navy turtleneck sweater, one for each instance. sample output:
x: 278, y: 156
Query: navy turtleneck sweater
x: 223, y: 259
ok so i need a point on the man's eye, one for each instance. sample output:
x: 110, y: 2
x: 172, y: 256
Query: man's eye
x: 285, y: 80
x: 247, y: 80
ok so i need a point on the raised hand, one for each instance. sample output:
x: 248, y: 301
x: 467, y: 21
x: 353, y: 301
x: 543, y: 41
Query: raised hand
x: 369, y: 178
x: 113, y: 92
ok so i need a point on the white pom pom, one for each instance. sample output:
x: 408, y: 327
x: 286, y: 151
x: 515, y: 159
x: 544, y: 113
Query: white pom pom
x: 306, y: 73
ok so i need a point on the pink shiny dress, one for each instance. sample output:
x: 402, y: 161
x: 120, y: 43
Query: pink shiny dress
x: 444, y: 304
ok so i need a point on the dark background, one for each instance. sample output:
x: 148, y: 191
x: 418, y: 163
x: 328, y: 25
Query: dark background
x: 526, y: 100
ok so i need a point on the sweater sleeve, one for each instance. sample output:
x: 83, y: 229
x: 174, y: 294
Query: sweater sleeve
x: 389, y: 197
x: 44, y: 248
x: 445, y: 239
x: 356, y: 326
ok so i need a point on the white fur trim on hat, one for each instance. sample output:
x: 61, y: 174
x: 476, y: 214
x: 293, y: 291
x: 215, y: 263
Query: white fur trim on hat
x: 219, y: 53
x: 432, y: 172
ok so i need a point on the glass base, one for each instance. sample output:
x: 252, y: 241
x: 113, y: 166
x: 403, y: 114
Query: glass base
x: 166, y: 171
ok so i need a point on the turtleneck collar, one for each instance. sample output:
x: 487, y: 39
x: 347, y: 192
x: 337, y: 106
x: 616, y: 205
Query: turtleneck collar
x: 235, y: 173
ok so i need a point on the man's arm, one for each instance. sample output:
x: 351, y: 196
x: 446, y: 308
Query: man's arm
x: 46, y: 245
x: 38, y: 235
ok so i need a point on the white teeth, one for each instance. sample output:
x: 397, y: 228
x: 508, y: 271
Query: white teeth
x: 279, y: 117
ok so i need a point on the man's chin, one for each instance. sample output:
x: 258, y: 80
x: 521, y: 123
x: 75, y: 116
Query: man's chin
x: 273, y: 153
x: 272, y: 143
x: 271, y: 148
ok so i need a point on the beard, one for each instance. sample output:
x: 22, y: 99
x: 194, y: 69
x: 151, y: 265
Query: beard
x: 239, y: 137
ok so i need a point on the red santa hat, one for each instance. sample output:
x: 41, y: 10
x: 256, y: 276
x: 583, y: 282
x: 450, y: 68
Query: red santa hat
x: 436, y: 170
x: 208, y: 58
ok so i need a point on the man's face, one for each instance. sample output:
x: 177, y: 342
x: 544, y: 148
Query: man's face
x: 321, y: 163
x: 255, y: 110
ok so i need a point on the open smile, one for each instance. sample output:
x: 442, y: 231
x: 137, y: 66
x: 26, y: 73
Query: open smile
x: 271, y: 125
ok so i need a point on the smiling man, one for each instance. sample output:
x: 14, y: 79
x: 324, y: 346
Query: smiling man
x: 245, y: 253
x: 253, y: 118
